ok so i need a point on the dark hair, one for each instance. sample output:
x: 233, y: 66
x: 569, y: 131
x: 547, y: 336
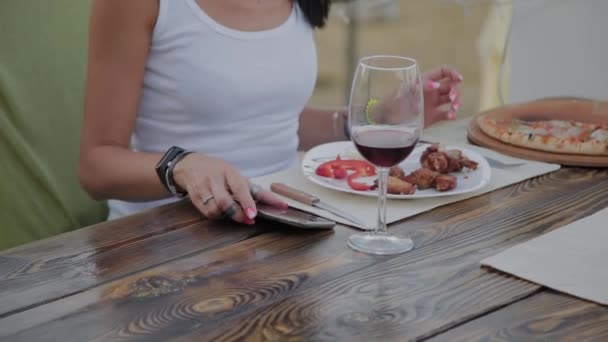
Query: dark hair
x: 316, y: 11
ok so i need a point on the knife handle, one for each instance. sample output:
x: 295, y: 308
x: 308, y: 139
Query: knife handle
x: 294, y: 194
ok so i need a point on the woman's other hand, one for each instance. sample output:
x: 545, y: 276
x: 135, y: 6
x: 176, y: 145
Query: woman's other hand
x: 218, y: 190
x: 441, y: 87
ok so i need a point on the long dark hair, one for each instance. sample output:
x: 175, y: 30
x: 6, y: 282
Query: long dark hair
x: 316, y: 11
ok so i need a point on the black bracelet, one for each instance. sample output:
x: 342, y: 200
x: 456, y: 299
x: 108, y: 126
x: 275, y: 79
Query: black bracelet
x: 174, y: 188
x: 163, y: 164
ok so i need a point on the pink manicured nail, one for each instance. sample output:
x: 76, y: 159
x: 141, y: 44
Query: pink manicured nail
x: 460, y: 78
x: 452, y: 96
x: 456, y: 106
x: 250, y: 212
x: 249, y: 222
x: 451, y: 115
x: 431, y: 85
x: 284, y: 206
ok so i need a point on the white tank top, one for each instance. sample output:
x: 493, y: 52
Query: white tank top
x: 225, y: 93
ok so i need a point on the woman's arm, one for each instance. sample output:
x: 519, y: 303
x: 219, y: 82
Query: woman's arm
x: 441, y: 87
x: 319, y: 126
x: 120, y: 36
x: 119, y: 39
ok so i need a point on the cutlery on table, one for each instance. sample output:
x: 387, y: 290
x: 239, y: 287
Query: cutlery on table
x: 313, y: 201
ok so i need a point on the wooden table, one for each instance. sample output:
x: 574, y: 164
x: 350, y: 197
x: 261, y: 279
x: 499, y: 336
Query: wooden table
x: 168, y: 275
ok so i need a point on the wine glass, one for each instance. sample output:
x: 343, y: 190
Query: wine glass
x: 386, y: 117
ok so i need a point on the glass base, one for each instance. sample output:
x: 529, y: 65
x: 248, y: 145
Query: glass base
x: 380, y: 244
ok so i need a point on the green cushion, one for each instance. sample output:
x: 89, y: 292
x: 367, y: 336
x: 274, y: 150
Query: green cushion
x: 42, y: 71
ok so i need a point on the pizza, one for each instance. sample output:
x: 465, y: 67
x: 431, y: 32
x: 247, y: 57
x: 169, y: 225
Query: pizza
x: 558, y: 136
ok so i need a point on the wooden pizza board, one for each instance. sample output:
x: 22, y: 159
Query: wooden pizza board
x: 559, y: 109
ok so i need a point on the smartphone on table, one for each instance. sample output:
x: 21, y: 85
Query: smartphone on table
x: 294, y: 217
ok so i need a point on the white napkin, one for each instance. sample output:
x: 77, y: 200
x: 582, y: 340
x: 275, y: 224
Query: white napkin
x: 365, y: 208
x: 571, y: 259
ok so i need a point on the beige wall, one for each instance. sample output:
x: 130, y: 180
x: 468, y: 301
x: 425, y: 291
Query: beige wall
x: 559, y: 48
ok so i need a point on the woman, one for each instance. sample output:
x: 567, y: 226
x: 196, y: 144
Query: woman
x: 228, y: 79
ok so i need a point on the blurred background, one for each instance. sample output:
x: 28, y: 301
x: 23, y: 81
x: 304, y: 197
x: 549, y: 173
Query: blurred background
x: 434, y: 32
x: 509, y: 51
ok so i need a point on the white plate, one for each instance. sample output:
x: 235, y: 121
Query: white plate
x: 468, y: 180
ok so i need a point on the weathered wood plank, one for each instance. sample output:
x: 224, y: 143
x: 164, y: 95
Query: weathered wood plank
x: 415, y: 295
x: 11, y: 265
x: 107, y: 235
x: 242, y: 295
x: 157, y: 284
x: 74, y: 262
x: 547, y: 316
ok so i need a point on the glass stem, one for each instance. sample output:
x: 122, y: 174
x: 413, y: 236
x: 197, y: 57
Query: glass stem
x: 382, y: 190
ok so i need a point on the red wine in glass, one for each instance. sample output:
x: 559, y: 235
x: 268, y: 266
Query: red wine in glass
x: 385, y: 118
x: 385, y: 147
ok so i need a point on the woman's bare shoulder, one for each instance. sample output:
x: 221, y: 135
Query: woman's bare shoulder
x: 125, y: 13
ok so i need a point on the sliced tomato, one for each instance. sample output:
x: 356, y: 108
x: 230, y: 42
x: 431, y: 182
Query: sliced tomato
x: 357, y: 185
x: 338, y: 168
x: 329, y: 168
x: 325, y: 172
x: 584, y: 135
x: 340, y: 173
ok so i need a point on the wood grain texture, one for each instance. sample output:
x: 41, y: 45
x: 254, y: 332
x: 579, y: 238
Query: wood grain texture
x: 546, y: 316
x: 73, y: 262
x: 11, y: 265
x: 412, y: 296
x: 311, y: 286
x: 190, y: 277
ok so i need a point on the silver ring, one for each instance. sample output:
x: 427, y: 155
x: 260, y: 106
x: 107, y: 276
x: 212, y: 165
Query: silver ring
x: 255, y: 190
x: 206, y: 200
x: 231, y: 210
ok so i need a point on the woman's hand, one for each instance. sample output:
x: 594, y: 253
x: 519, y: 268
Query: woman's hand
x: 441, y: 86
x: 218, y: 190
